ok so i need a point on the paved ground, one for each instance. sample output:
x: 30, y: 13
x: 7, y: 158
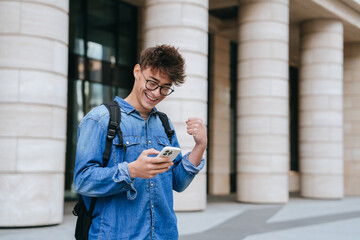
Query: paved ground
x: 225, y: 219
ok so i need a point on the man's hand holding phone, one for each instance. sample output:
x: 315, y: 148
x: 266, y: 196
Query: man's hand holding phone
x: 148, y: 167
x: 170, y: 153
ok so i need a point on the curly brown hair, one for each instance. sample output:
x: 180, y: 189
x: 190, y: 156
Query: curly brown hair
x: 167, y: 60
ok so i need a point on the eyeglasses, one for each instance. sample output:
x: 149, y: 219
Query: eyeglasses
x: 152, y: 86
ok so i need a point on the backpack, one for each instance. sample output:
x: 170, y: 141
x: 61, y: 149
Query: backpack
x: 84, y: 216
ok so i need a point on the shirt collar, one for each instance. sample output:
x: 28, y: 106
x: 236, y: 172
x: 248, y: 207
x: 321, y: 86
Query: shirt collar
x: 127, y: 107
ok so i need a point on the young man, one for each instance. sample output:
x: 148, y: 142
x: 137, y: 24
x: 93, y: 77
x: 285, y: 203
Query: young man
x: 135, y: 190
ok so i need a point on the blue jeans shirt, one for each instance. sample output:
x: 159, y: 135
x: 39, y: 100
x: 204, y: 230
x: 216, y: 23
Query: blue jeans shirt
x: 128, y: 208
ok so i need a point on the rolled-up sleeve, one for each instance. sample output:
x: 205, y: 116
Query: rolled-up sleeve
x: 190, y: 167
x: 122, y: 174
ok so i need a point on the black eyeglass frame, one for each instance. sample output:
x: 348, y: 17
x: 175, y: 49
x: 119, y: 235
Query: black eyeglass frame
x: 169, y: 89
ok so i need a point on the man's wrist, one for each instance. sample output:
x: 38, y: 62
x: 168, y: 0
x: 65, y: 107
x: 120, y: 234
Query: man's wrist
x: 132, y: 170
x: 201, y: 146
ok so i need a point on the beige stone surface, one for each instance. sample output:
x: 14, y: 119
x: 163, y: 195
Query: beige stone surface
x: 263, y: 188
x: 322, y: 150
x: 271, y: 144
x: 196, y: 67
x: 8, y: 154
x: 321, y: 109
x: 263, y: 49
x: 323, y: 186
x: 182, y: 37
x: 313, y: 165
x: 262, y: 102
x: 294, y: 182
x: 41, y: 121
x: 193, y: 89
x: 263, y: 68
x: 9, y: 85
x: 261, y: 87
x: 31, y: 199
x: 352, y: 183
x: 44, y: 21
x: 177, y: 14
x: 252, y: 11
x: 10, y: 12
x: 35, y: 53
x: 201, y: 3
x: 40, y: 155
x: 321, y: 134
x: 219, y: 183
x: 263, y: 125
x: 352, y: 119
x: 62, y: 5
x: 183, y: 24
x: 33, y: 101
x: 263, y: 106
x: 219, y: 100
x: 194, y: 197
x: 43, y: 88
x: 269, y: 30
x: 262, y: 163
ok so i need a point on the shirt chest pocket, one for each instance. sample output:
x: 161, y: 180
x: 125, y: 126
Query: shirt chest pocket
x: 162, y: 142
x: 131, y: 144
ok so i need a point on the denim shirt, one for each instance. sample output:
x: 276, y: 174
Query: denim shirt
x: 128, y: 208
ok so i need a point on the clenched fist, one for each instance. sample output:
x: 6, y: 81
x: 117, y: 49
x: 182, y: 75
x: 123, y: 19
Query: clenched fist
x: 196, y: 128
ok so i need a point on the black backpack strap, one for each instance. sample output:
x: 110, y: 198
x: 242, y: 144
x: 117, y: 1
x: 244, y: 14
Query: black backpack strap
x: 84, y: 219
x: 165, y: 122
x: 76, y: 210
x: 113, y: 128
x: 92, y: 206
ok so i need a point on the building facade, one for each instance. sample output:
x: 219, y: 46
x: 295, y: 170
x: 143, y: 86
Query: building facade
x: 276, y: 81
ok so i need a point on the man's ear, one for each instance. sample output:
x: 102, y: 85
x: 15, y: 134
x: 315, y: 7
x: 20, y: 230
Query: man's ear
x: 136, y: 71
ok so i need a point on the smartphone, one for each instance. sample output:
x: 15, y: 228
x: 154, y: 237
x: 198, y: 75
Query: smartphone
x: 170, y: 152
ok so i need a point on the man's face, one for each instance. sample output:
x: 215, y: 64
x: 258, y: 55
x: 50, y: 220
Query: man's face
x: 146, y: 79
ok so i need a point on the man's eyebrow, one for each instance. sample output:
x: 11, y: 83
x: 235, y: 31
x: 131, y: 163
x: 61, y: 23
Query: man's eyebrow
x: 157, y: 80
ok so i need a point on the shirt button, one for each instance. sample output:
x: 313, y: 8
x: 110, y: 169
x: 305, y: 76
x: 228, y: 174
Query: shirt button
x: 149, y: 141
x: 151, y: 184
x: 152, y: 228
x: 127, y: 142
x: 152, y: 206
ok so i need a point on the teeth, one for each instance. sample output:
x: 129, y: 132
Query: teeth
x: 152, y: 99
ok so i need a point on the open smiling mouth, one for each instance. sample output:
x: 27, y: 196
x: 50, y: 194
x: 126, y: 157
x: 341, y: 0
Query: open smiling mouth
x: 150, y: 98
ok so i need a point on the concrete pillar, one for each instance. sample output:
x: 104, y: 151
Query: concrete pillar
x: 33, y: 100
x: 321, y: 109
x: 352, y: 119
x: 263, y: 111
x: 183, y: 24
x: 219, y: 116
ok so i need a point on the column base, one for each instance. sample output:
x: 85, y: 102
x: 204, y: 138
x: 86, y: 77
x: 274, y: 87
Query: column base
x: 194, y: 197
x: 262, y: 188
x: 322, y: 186
x: 31, y: 199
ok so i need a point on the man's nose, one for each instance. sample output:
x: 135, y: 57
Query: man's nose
x: 157, y: 92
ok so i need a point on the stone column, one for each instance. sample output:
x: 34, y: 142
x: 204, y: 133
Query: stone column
x: 219, y: 116
x: 33, y: 100
x: 352, y: 119
x: 321, y: 109
x: 183, y: 24
x: 263, y: 101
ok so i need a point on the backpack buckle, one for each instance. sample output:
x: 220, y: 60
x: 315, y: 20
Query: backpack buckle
x: 113, y: 125
x: 112, y: 130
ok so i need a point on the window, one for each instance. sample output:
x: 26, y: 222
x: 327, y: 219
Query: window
x: 102, y: 54
x: 233, y: 117
x: 294, y: 118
